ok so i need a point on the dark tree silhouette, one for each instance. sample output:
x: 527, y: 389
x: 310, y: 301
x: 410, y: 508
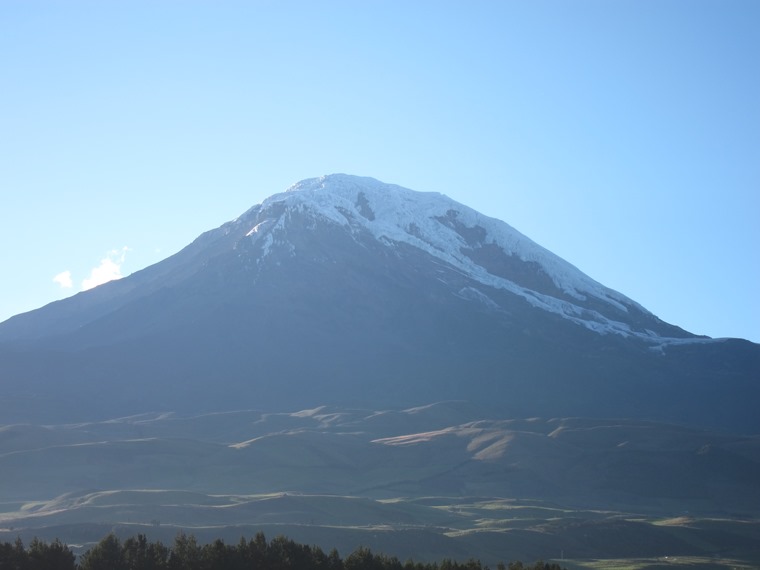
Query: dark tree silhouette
x: 281, y: 553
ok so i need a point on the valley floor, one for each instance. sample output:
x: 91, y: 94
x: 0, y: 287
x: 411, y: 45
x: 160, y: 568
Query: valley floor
x: 425, y: 484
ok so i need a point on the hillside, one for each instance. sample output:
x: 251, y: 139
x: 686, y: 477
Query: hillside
x: 349, y: 291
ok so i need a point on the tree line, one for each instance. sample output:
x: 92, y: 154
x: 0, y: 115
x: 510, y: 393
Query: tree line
x: 281, y: 553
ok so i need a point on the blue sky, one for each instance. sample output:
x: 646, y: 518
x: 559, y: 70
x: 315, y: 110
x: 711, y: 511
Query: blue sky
x: 622, y: 135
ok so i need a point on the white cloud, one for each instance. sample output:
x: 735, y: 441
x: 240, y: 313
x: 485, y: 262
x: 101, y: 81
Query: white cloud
x: 64, y: 279
x: 108, y: 270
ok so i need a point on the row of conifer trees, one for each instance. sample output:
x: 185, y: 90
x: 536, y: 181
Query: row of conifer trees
x: 281, y: 553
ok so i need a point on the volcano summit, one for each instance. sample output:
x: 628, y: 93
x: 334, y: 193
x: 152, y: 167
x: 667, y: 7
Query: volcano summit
x: 347, y: 291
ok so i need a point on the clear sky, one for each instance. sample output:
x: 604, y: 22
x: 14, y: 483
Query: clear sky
x: 622, y: 135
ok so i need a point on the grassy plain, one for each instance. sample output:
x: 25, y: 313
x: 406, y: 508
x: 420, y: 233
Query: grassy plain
x: 594, y: 493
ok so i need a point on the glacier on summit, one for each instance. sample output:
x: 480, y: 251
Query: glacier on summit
x: 450, y: 232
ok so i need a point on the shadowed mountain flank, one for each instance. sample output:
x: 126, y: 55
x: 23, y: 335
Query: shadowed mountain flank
x: 350, y: 291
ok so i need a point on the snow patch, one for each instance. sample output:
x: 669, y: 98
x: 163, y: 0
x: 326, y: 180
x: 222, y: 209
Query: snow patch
x: 472, y: 294
x: 257, y: 228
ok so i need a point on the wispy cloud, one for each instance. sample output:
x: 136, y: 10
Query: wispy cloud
x: 108, y: 270
x: 64, y: 279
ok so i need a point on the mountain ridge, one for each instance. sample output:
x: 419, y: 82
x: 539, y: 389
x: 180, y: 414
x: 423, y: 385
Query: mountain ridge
x: 471, y: 246
x: 417, y: 218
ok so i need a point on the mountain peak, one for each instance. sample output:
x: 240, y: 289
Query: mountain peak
x: 477, y: 257
x: 487, y: 250
x: 338, y: 182
x: 349, y: 290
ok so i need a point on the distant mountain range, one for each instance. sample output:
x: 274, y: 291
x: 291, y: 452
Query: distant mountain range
x: 348, y: 291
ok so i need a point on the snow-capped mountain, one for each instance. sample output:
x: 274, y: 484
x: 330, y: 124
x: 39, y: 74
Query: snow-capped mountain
x: 348, y: 290
x: 485, y: 250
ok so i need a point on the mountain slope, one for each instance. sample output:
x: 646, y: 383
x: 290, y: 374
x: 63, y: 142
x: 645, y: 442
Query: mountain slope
x: 433, y: 481
x: 479, y: 248
x: 346, y: 290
